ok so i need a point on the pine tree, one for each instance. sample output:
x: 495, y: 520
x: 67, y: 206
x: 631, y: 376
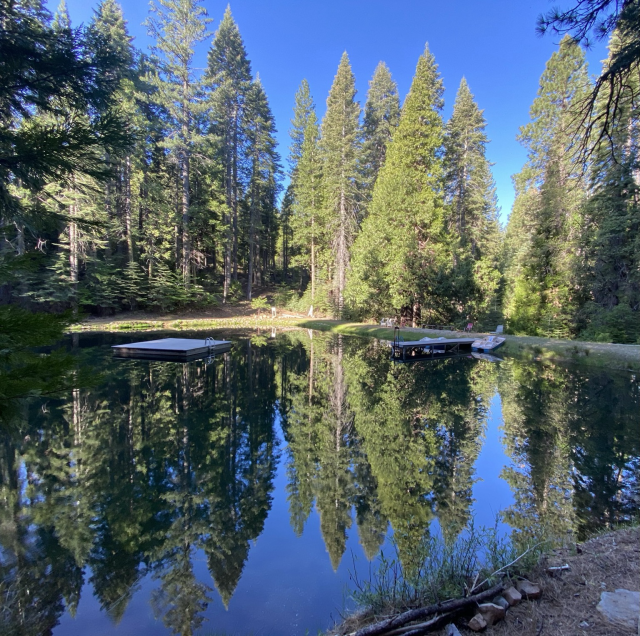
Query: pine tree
x: 113, y: 50
x: 339, y: 146
x: 401, y: 257
x: 306, y: 184
x: 42, y: 139
x: 303, y: 110
x: 472, y: 213
x: 381, y: 117
x: 262, y: 188
x: 610, y: 269
x: 177, y: 27
x: 540, y: 294
x: 286, y: 214
x: 229, y: 77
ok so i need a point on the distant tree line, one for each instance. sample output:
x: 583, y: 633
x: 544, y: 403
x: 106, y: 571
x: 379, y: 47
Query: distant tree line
x: 132, y: 180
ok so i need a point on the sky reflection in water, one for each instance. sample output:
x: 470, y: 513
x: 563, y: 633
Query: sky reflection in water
x: 235, y: 497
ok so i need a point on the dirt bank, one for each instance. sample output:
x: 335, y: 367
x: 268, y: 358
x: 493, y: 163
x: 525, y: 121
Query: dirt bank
x: 568, y: 604
x: 569, y: 599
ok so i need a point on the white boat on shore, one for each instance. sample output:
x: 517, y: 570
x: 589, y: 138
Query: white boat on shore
x: 488, y: 343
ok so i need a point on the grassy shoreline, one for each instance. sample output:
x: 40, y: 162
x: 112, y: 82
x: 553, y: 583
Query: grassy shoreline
x: 593, y: 354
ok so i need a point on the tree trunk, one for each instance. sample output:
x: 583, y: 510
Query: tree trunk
x: 313, y: 267
x: 251, y: 245
x: 226, y: 217
x: 234, y: 198
x: 127, y: 207
x: 73, y: 256
x: 342, y: 253
x: 186, y: 238
x: 415, y: 319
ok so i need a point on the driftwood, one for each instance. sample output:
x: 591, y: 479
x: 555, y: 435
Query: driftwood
x: 426, y: 627
x: 392, y: 624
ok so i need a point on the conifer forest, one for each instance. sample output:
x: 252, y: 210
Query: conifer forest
x: 145, y: 185
x: 131, y: 180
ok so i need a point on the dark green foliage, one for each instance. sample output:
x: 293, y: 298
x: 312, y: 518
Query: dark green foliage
x: 23, y: 373
x: 339, y: 145
x: 572, y: 247
x: 542, y: 237
x: 611, y: 227
x: 56, y: 112
x: 381, y: 117
x: 472, y: 215
x: 594, y: 19
x: 308, y: 245
x: 402, y: 257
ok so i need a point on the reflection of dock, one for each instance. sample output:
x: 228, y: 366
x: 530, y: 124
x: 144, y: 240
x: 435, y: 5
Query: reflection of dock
x: 176, y: 349
x: 429, y: 348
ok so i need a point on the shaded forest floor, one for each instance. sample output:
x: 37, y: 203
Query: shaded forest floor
x: 241, y: 315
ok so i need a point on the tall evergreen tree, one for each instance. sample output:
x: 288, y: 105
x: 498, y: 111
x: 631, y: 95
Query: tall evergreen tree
x: 400, y: 258
x: 339, y: 147
x: 111, y: 41
x: 381, y: 117
x: 228, y: 75
x: 262, y: 188
x: 302, y: 111
x: 610, y: 270
x: 177, y: 27
x: 550, y: 191
x: 306, y: 183
x: 472, y: 212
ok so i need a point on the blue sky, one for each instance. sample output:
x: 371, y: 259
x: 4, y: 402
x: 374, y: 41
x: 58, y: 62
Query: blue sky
x: 492, y: 43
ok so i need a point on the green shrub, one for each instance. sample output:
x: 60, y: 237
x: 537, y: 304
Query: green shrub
x: 438, y: 570
x: 260, y: 304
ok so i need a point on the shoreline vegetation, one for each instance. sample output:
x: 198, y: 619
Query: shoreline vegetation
x: 594, y: 354
x: 552, y: 586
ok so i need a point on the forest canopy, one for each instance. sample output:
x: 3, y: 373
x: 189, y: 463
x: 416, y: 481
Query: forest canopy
x: 129, y: 180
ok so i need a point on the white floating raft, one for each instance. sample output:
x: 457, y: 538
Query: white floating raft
x: 179, y: 349
x: 489, y: 343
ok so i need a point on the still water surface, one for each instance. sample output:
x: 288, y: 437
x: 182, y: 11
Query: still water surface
x: 235, y: 496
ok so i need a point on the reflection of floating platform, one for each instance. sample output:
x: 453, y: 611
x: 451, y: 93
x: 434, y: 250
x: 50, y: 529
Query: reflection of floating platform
x: 486, y: 356
x: 429, y: 348
x: 180, y: 349
x: 434, y: 358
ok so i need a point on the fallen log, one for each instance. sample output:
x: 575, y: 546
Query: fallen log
x: 390, y: 624
x: 417, y: 629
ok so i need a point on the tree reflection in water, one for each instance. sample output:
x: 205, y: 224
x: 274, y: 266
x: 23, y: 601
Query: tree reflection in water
x: 163, y: 461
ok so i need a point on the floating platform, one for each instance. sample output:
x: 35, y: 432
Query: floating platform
x: 429, y: 348
x: 489, y: 343
x: 172, y: 349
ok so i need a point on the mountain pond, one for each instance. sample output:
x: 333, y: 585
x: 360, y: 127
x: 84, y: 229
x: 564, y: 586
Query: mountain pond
x: 241, y: 494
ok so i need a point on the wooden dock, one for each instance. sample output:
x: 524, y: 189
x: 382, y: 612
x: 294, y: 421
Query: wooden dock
x: 429, y: 349
x: 172, y: 349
